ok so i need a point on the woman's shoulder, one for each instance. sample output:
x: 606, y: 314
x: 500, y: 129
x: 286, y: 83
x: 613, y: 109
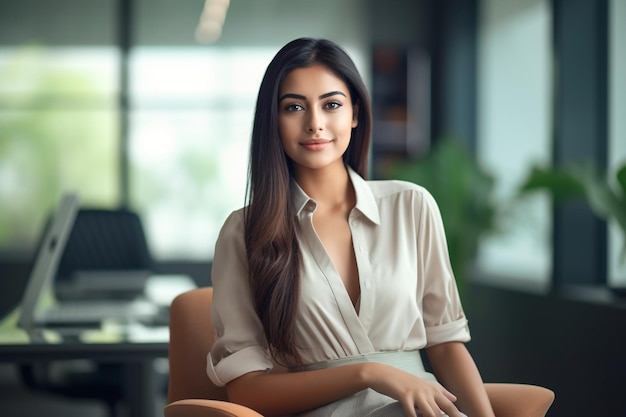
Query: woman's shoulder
x: 234, y: 223
x: 402, y: 192
x: 383, y: 188
x: 230, y: 242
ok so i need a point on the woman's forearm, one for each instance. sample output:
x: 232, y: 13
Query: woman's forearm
x: 457, y: 371
x: 276, y: 394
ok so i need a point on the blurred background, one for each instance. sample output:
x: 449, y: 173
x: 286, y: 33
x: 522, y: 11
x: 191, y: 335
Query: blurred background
x: 510, y: 111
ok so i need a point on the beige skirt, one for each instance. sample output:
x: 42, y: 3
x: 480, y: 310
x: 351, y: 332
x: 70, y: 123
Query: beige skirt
x: 369, y: 403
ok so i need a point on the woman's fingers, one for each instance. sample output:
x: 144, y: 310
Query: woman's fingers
x: 409, y: 409
x: 451, y: 410
x: 430, y: 404
x: 428, y: 397
x: 448, y: 407
x: 440, y: 403
x: 450, y: 396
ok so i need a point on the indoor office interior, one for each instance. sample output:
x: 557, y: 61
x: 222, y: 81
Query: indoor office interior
x: 511, y: 112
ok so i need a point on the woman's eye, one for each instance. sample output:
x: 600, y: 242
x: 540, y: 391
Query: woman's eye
x: 333, y: 105
x: 294, y: 107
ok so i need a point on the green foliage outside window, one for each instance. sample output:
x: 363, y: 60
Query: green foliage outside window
x: 56, y: 134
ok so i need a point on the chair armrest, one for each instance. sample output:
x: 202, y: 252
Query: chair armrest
x: 207, y: 408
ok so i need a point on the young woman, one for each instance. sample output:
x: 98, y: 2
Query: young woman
x: 340, y: 280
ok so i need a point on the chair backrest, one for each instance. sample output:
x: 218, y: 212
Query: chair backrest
x: 103, y: 239
x: 191, y: 338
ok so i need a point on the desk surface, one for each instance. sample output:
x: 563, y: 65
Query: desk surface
x: 111, y: 340
x: 114, y: 341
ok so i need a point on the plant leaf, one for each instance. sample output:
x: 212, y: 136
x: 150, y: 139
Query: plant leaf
x: 561, y: 184
x: 602, y: 199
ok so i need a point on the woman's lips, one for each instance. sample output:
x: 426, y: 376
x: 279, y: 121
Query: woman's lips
x: 315, y: 144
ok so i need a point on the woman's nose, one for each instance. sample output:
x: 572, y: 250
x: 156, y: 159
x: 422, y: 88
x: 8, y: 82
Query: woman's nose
x: 315, y: 121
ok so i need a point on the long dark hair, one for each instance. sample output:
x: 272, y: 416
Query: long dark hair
x: 271, y: 229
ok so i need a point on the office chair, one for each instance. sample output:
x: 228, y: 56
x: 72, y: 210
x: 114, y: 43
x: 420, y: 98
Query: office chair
x: 102, y: 240
x: 192, y: 394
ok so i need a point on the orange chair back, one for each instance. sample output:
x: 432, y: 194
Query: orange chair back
x: 191, y: 338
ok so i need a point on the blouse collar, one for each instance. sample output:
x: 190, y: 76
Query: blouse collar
x: 365, y: 201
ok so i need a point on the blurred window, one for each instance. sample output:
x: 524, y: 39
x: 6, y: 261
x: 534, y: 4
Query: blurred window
x: 514, y: 132
x: 58, y: 131
x: 191, y: 121
x: 617, y: 131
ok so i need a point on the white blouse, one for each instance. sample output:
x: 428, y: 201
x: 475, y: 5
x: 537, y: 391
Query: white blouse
x: 409, y: 298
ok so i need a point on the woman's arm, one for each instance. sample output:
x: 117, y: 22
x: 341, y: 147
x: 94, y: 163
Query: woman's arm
x: 455, y: 369
x: 287, y: 393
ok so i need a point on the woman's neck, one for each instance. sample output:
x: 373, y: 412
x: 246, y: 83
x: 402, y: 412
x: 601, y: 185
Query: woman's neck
x: 331, y: 188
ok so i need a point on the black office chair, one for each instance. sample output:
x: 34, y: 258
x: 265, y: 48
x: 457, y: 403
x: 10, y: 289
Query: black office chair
x: 101, y: 240
x: 104, y: 241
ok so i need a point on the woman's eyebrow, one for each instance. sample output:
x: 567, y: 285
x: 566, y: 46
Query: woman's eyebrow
x: 332, y: 93
x: 301, y: 97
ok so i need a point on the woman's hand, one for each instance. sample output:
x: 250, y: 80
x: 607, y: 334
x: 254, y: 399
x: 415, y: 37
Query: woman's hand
x: 411, y: 391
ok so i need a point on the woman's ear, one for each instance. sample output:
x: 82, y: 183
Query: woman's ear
x: 355, y: 115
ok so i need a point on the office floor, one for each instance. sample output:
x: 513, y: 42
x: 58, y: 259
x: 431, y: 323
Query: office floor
x: 17, y: 401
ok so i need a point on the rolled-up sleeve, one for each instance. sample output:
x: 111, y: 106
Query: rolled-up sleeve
x: 444, y: 317
x: 240, y: 346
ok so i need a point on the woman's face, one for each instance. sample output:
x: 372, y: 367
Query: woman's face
x: 315, y: 117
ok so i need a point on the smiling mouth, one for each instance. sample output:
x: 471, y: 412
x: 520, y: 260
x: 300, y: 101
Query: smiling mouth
x: 316, y: 144
x: 315, y: 141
